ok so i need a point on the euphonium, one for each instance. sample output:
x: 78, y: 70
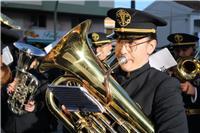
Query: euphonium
x: 73, y: 54
x: 26, y: 83
x: 188, y: 68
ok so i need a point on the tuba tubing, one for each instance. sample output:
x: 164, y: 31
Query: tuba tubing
x: 73, y: 54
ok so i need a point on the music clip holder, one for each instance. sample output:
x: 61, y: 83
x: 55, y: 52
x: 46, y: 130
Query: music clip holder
x: 163, y: 69
x: 76, y: 99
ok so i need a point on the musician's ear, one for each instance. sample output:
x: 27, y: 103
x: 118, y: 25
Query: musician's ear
x: 151, y: 46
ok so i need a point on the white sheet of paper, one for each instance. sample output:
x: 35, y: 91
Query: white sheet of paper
x: 7, y: 57
x: 162, y: 60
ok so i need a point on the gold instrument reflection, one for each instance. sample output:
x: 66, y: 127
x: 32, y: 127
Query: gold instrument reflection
x: 188, y: 68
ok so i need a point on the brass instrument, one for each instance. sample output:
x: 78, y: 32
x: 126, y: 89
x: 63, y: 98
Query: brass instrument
x: 27, y: 83
x: 187, y: 68
x: 73, y: 54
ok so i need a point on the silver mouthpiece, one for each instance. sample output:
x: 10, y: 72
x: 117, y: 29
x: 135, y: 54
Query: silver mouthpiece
x: 122, y: 60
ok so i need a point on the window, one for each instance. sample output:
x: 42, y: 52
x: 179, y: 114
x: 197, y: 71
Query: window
x: 196, y: 26
x: 197, y: 22
x: 38, y: 21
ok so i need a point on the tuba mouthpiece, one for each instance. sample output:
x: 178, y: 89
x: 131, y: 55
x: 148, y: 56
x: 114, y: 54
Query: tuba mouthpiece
x: 122, y: 60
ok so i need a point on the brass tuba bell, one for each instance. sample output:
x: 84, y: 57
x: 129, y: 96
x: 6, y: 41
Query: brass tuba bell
x: 73, y: 54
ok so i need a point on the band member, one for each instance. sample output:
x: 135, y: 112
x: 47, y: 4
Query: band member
x: 156, y: 93
x: 184, y: 46
x: 102, y: 45
x: 8, y: 36
x: 38, y: 118
x: 6, y: 76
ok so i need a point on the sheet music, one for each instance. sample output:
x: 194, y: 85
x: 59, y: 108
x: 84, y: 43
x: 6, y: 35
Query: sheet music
x: 162, y: 60
x: 76, y: 99
x: 7, y: 57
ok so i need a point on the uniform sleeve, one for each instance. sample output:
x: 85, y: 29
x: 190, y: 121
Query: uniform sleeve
x: 168, y: 111
x: 196, y: 83
x: 194, y: 98
x: 40, y: 96
x: 198, y: 96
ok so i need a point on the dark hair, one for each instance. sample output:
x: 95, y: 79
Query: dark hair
x: 153, y: 36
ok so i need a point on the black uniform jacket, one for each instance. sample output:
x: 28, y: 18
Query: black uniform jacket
x: 193, y: 119
x: 159, y: 97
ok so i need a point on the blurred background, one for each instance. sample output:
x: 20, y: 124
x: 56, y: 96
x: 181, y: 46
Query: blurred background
x: 43, y: 22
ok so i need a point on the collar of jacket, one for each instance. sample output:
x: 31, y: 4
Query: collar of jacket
x: 140, y: 70
x: 135, y: 73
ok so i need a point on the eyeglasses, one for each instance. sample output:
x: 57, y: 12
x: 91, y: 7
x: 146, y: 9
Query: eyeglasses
x: 131, y: 44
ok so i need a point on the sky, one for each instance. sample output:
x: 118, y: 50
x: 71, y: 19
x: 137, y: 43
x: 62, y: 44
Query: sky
x: 140, y: 4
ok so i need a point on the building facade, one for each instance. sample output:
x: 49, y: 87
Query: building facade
x: 181, y: 17
x: 42, y: 20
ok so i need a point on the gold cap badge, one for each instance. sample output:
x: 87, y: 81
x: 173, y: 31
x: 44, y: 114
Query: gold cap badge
x: 178, y: 38
x: 123, y: 17
x: 95, y: 36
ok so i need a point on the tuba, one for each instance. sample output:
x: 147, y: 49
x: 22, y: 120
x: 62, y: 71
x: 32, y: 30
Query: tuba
x: 73, y: 54
x: 188, y: 68
x: 26, y: 83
